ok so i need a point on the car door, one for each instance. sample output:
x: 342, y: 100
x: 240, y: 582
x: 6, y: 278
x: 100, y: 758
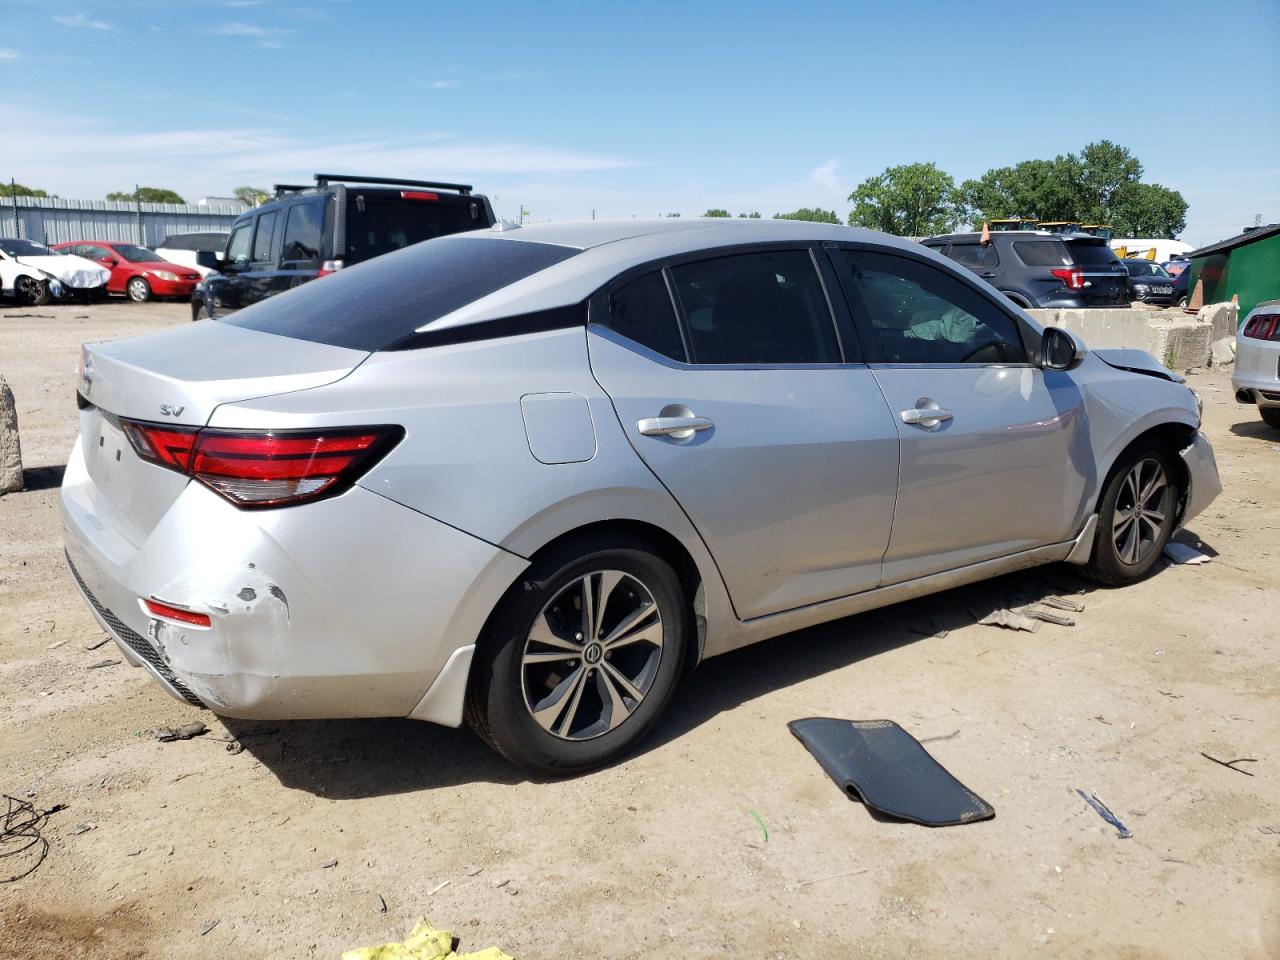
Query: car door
x: 227, y: 288
x: 981, y: 259
x: 108, y: 259
x: 264, y: 262
x: 732, y: 384
x: 302, y: 250
x: 994, y: 452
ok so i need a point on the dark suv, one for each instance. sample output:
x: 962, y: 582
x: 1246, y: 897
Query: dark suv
x: 308, y: 232
x: 1038, y: 269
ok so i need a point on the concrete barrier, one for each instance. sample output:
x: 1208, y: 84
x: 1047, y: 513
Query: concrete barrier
x: 1178, y: 340
x: 10, y: 449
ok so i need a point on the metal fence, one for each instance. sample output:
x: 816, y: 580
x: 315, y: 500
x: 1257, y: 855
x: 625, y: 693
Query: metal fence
x: 57, y: 221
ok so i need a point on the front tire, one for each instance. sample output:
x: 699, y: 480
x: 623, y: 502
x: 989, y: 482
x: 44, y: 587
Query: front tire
x: 202, y: 313
x: 31, y: 292
x: 1270, y: 416
x: 580, y: 658
x: 1135, y: 517
x: 138, y: 290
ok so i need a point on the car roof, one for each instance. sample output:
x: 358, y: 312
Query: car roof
x: 610, y: 247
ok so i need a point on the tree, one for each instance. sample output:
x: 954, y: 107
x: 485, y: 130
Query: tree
x: 1043, y: 189
x: 1101, y: 172
x: 1148, y: 210
x: 811, y: 214
x: 10, y: 188
x: 753, y: 215
x: 147, y: 195
x: 251, y: 196
x: 716, y: 212
x: 914, y: 200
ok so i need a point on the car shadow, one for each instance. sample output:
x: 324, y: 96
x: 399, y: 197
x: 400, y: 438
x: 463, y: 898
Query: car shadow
x: 1255, y: 430
x: 351, y: 759
x: 42, y: 478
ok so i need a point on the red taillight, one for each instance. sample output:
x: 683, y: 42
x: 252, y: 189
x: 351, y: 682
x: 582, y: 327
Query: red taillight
x: 265, y: 469
x: 166, y: 611
x: 418, y: 195
x: 1265, y: 326
x: 1074, y: 279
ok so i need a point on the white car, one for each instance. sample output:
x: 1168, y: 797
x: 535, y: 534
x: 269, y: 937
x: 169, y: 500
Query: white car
x: 183, y: 247
x: 31, y: 273
x: 1257, y: 372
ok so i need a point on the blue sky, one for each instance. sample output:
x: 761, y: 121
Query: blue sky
x: 638, y: 109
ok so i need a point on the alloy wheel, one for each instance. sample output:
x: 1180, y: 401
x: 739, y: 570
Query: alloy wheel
x: 591, y: 655
x: 1139, y: 512
x: 138, y: 290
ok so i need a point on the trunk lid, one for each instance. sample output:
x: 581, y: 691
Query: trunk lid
x: 178, y: 378
x: 1107, y: 278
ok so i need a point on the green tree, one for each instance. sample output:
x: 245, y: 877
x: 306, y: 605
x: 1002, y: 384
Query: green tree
x: 9, y: 188
x: 1148, y: 210
x: 811, y: 214
x: 1101, y: 172
x: 716, y: 212
x: 1044, y: 189
x: 147, y: 195
x: 753, y: 215
x: 914, y: 200
x: 251, y: 196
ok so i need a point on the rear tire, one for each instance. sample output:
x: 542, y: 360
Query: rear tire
x: 31, y: 292
x: 1135, y: 516
x: 580, y: 657
x: 1270, y: 416
x: 202, y: 313
x: 138, y: 290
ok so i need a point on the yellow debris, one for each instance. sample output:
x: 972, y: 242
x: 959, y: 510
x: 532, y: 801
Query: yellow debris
x: 423, y: 943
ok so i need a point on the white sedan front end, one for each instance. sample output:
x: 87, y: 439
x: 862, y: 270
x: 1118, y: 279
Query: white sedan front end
x: 1256, y: 378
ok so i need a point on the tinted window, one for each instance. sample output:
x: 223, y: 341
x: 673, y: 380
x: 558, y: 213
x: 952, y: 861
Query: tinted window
x: 642, y: 310
x: 371, y: 306
x: 238, y: 246
x: 1041, y: 253
x: 1089, y: 253
x: 304, y: 234
x: 24, y: 248
x: 195, y: 241
x: 262, y: 239
x: 920, y: 314
x: 756, y: 308
x: 379, y: 225
x: 137, y: 254
x: 974, y: 254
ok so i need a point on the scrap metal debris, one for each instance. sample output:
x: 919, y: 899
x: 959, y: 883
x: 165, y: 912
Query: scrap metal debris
x: 1182, y: 553
x: 95, y: 644
x: 102, y: 663
x: 1048, y: 616
x: 423, y: 943
x: 184, y: 732
x: 1231, y: 764
x: 22, y: 835
x: 1010, y: 620
x: 209, y: 925
x: 1105, y: 813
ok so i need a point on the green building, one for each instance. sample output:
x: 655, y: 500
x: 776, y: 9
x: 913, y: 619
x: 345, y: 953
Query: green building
x: 1247, y: 265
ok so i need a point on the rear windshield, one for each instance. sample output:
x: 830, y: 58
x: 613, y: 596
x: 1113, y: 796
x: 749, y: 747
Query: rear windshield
x: 1144, y: 268
x: 372, y: 306
x: 378, y: 225
x: 1091, y: 253
x: 1040, y: 253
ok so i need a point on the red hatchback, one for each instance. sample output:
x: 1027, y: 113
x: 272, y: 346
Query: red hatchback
x: 138, y: 273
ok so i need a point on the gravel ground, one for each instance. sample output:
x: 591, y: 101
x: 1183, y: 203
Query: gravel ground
x: 661, y: 854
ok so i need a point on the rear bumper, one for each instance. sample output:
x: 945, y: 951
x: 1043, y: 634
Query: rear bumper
x: 1204, y: 484
x: 348, y: 607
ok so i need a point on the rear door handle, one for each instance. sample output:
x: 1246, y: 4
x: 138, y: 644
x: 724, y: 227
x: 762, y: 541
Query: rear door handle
x: 989, y: 274
x: 678, y: 428
x: 926, y: 416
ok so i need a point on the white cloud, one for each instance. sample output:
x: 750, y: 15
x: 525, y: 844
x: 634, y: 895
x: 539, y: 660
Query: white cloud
x: 825, y: 177
x: 266, y: 37
x: 7, y: 54
x: 82, y: 21
x: 442, y: 84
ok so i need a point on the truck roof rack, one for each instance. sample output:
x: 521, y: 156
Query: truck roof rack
x: 281, y: 188
x: 323, y: 179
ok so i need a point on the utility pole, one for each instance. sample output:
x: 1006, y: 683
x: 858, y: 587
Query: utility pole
x: 13, y: 194
x: 523, y: 213
x: 137, y: 200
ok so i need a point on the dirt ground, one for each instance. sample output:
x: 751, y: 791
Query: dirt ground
x: 661, y: 855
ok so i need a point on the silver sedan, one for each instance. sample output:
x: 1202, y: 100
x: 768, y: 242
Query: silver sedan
x: 532, y: 476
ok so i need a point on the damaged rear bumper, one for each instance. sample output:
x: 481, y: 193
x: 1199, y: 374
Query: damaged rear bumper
x: 1203, y: 482
x: 349, y: 607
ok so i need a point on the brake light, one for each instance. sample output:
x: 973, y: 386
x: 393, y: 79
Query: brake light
x: 1074, y: 279
x: 327, y: 267
x: 265, y: 468
x: 167, y: 611
x: 1265, y: 326
x: 418, y: 195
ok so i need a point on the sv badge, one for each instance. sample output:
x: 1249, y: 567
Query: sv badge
x: 169, y: 410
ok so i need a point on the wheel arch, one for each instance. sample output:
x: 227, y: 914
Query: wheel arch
x: 1170, y: 435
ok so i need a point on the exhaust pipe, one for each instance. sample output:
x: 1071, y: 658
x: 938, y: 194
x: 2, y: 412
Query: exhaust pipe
x: 1244, y: 396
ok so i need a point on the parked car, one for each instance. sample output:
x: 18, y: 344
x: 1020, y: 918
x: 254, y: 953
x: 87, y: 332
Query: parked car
x: 310, y: 232
x: 136, y: 272
x: 182, y: 248
x: 1149, y: 282
x: 1181, y: 288
x: 534, y: 475
x: 1036, y: 268
x: 1176, y: 266
x: 1256, y: 375
x: 32, y: 274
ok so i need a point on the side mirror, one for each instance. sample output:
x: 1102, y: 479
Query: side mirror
x: 207, y: 259
x: 1061, y: 349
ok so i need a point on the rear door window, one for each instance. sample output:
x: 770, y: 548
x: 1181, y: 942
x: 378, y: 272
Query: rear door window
x: 263, y: 240
x: 1041, y: 253
x: 757, y: 308
x: 372, y: 306
x: 304, y: 235
x: 377, y: 225
x: 975, y: 256
x: 641, y: 310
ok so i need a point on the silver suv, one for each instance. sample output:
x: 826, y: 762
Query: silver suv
x: 534, y: 476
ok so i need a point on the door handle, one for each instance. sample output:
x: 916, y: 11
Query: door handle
x: 926, y: 416
x: 678, y: 428
x: 989, y: 274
